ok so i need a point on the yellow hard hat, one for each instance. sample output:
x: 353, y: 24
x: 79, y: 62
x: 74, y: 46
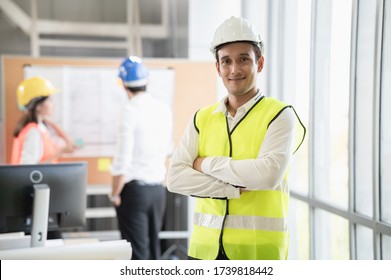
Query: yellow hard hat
x: 32, y: 88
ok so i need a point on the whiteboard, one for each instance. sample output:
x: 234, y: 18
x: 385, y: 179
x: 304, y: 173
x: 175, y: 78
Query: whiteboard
x: 90, y: 100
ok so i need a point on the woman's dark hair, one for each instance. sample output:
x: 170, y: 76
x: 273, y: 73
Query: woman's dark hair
x: 30, y: 115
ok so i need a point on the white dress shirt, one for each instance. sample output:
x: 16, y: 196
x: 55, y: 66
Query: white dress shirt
x: 264, y: 172
x: 144, y: 140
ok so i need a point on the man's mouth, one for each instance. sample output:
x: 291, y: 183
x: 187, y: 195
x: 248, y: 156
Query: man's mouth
x: 236, y: 79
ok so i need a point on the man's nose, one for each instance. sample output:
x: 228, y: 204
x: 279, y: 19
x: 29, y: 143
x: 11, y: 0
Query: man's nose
x: 235, y: 69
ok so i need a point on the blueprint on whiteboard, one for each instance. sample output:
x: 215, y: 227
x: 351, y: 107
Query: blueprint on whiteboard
x: 90, y: 100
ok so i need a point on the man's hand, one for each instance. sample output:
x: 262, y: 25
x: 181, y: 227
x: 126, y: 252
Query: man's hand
x: 197, y: 166
x: 197, y: 163
x: 118, y: 182
x: 115, y: 200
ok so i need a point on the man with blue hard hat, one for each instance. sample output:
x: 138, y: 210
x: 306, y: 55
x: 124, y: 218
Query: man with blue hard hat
x: 139, y: 165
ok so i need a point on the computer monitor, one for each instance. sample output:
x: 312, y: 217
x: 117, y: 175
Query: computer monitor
x: 67, y: 195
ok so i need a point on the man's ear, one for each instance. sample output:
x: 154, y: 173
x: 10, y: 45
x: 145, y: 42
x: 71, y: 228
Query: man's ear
x: 260, y: 64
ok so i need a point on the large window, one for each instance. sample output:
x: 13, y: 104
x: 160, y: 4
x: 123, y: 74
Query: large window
x: 340, y: 183
x: 364, y: 107
x: 300, y: 212
x: 385, y: 132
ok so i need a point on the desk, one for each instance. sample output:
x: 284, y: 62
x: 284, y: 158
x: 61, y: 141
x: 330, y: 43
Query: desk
x: 14, y: 240
x: 106, y: 250
x: 82, y: 249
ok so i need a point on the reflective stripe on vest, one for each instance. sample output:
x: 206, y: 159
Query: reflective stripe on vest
x: 241, y: 222
x: 255, y: 227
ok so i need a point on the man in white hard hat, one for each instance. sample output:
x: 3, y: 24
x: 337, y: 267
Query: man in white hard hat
x: 234, y: 157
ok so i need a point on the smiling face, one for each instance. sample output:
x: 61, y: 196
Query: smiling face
x: 238, y: 67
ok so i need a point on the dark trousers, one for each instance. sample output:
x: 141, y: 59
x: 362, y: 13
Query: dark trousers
x: 140, y: 218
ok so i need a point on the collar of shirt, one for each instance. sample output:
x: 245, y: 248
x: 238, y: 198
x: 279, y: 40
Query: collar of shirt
x: 242, y: 109
x: 140, y: 97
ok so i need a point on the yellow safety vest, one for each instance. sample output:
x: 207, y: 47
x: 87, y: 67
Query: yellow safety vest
x: 255, y: 225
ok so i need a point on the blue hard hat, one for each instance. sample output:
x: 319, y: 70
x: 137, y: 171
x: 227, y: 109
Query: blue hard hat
x: 132, y: 72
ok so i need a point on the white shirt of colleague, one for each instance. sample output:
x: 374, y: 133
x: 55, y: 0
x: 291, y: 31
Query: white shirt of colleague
x: 144, y: 140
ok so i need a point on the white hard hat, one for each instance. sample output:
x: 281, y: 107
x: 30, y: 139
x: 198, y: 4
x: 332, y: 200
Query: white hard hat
x: 236, y: 29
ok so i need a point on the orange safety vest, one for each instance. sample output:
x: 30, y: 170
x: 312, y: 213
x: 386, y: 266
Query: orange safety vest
x: 49, y: 148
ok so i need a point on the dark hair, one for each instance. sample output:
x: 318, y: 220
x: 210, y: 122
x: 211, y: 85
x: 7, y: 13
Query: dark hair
x: 30, y: 115
x: 137, y: 89
x: 257, y: 50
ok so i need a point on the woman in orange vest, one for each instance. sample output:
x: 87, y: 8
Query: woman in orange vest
x: 37, y: 139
